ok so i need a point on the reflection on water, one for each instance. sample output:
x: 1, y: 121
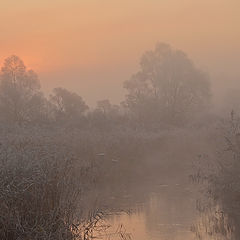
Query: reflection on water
x: 162, y: 201
x: 167, y: 214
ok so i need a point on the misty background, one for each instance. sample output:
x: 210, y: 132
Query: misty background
x: 91, y: 47
x: 119, y: 120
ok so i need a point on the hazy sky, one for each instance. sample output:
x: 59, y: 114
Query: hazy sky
x: 92, y: 46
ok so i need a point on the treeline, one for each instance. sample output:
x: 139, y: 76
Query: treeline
x: 60, y: 154
x: 168, y: 89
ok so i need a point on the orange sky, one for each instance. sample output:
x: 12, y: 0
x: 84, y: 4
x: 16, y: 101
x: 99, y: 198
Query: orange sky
x: 92, y: 46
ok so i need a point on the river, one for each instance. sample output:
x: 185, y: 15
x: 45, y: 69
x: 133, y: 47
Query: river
x: 165, y: 211
x: 162, y: 205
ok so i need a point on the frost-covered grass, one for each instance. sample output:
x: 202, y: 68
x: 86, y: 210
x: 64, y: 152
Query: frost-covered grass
x: 219, y: 176
x: 53, y: 179
x: 40, y: 186
x: 46, y: 174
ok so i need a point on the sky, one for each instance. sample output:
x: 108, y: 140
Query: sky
x: 93, y: 46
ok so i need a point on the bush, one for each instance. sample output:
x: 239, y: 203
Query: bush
x: 39, y: 189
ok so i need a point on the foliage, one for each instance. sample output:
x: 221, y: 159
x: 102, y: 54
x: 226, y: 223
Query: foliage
x: 220, y: 209
x: 67, y: 105
x: 168, y: 87
x: 55, y: 152
x: 19, y: 89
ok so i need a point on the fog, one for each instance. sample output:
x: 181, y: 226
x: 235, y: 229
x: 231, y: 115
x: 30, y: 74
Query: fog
x: 119, y: 120
x: 99, y: 43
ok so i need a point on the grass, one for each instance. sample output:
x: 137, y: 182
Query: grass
x: 40, y: 185
x: 46, y: 177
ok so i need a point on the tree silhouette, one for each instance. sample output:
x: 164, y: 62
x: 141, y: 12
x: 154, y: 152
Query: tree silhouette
x: 67, y: 105
x: 19, y: 88
x: 168, y: 85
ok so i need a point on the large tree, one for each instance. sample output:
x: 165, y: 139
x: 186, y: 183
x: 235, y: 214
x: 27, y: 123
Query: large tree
x: 167, y: 86
x: 19, y: 89
x: 105, y: 115
x: 67, y: 104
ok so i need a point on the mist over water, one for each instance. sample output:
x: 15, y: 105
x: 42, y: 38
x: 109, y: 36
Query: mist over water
x: 119, y: 120
x: 154, y: 167
x: 162, y: 204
